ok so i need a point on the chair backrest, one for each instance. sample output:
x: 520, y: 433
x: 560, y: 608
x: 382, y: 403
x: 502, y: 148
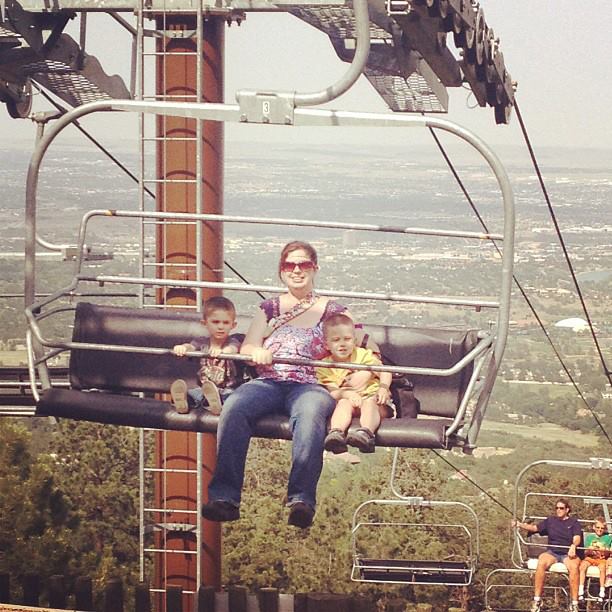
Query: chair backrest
x: 536, y: 545
x: 431, y: 348
x: 119, y: 371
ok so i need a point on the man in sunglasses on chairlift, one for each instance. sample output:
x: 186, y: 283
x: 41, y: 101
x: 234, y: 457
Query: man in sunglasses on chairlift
x: 564, y: 536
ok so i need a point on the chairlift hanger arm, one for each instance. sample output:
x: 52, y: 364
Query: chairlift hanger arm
x: 594, y: 463
x: 278, y: 107
x: 222, y: 112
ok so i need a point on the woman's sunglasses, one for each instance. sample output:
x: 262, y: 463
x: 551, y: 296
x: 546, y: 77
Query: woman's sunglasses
x: 303, y: 266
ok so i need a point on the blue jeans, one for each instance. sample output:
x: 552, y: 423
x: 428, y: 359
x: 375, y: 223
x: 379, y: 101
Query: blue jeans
x: 196, y: 399
x: 308, y: 407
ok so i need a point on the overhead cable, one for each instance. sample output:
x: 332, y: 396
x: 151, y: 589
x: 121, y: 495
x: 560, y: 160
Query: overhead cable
x: 570, y: 266
x: 518, y: 284
x: 472, y: 482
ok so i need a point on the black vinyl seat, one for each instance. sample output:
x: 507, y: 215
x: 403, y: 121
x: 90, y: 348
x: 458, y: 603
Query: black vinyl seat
x: 103, y: 383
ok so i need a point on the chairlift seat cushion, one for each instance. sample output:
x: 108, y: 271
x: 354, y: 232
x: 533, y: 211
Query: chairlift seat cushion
x: 429, y: 348
x: 120, y: 371
x: 133, y: 411
x: 414, y: 572
x: 560, y: 568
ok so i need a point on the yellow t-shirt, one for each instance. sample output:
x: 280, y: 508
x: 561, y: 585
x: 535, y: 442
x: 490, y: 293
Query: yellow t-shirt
x: 338, y: 377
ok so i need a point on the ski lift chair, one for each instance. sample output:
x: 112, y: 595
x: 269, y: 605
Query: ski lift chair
x: 117, y: 352
x: 384, y: 532
x: 530, y: 548
x: 455, y: 566
x: 129, y: 350
x: 534, y: 506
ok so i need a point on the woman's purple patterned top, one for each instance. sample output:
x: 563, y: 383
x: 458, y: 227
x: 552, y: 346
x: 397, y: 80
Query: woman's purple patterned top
x: 292, y: 341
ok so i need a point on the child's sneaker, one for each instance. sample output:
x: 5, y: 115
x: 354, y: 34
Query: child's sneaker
x: 363, y: 439
x: 210, y: 391
x: 536, y: 606
x: 335, y: 442
x: 178, y: 392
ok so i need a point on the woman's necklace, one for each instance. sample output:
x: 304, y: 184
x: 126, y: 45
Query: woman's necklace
x: 295, y: 311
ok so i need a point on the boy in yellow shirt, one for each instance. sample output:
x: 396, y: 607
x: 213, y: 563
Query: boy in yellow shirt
x: 597, y: 549
x: 358, y: 392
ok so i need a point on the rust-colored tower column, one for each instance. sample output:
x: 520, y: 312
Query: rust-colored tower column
x: 177, y: 251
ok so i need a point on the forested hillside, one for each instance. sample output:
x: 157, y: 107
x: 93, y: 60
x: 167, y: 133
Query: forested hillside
x: 74, y: 489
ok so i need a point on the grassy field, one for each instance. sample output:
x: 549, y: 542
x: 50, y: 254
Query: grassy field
x: 13, y: 358
x: 545, y: 432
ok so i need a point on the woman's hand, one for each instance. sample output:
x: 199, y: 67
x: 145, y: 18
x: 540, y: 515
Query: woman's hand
x: 261, y: 356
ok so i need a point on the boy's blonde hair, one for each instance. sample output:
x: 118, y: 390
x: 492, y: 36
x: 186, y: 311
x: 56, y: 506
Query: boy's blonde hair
x: 602, y: 521
x: 218, y: 302
x: 337, y: 319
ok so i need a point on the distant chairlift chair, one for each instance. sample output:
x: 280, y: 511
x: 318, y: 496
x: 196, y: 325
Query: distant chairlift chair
x: 446, y: 552
x: 534, y: 506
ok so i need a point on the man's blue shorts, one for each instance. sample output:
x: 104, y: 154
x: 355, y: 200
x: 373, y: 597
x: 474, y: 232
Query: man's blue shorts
x: 558, y: 556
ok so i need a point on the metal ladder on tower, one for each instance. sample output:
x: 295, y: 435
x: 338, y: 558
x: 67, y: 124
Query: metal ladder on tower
x: 170, y: 524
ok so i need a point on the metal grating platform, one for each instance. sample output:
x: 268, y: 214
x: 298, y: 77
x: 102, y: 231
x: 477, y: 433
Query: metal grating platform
x: 9, y: 37
x: 417, y: 92
x: 338, y: 22
x: 406, y: 95
x: 74, y: 76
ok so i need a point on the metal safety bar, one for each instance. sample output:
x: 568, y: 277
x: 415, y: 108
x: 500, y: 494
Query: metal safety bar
x: 387, y: 297
x: 482, y: 346
x: 367, y: 227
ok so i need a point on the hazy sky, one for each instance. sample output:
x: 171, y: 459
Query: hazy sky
x: 560, y: 55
